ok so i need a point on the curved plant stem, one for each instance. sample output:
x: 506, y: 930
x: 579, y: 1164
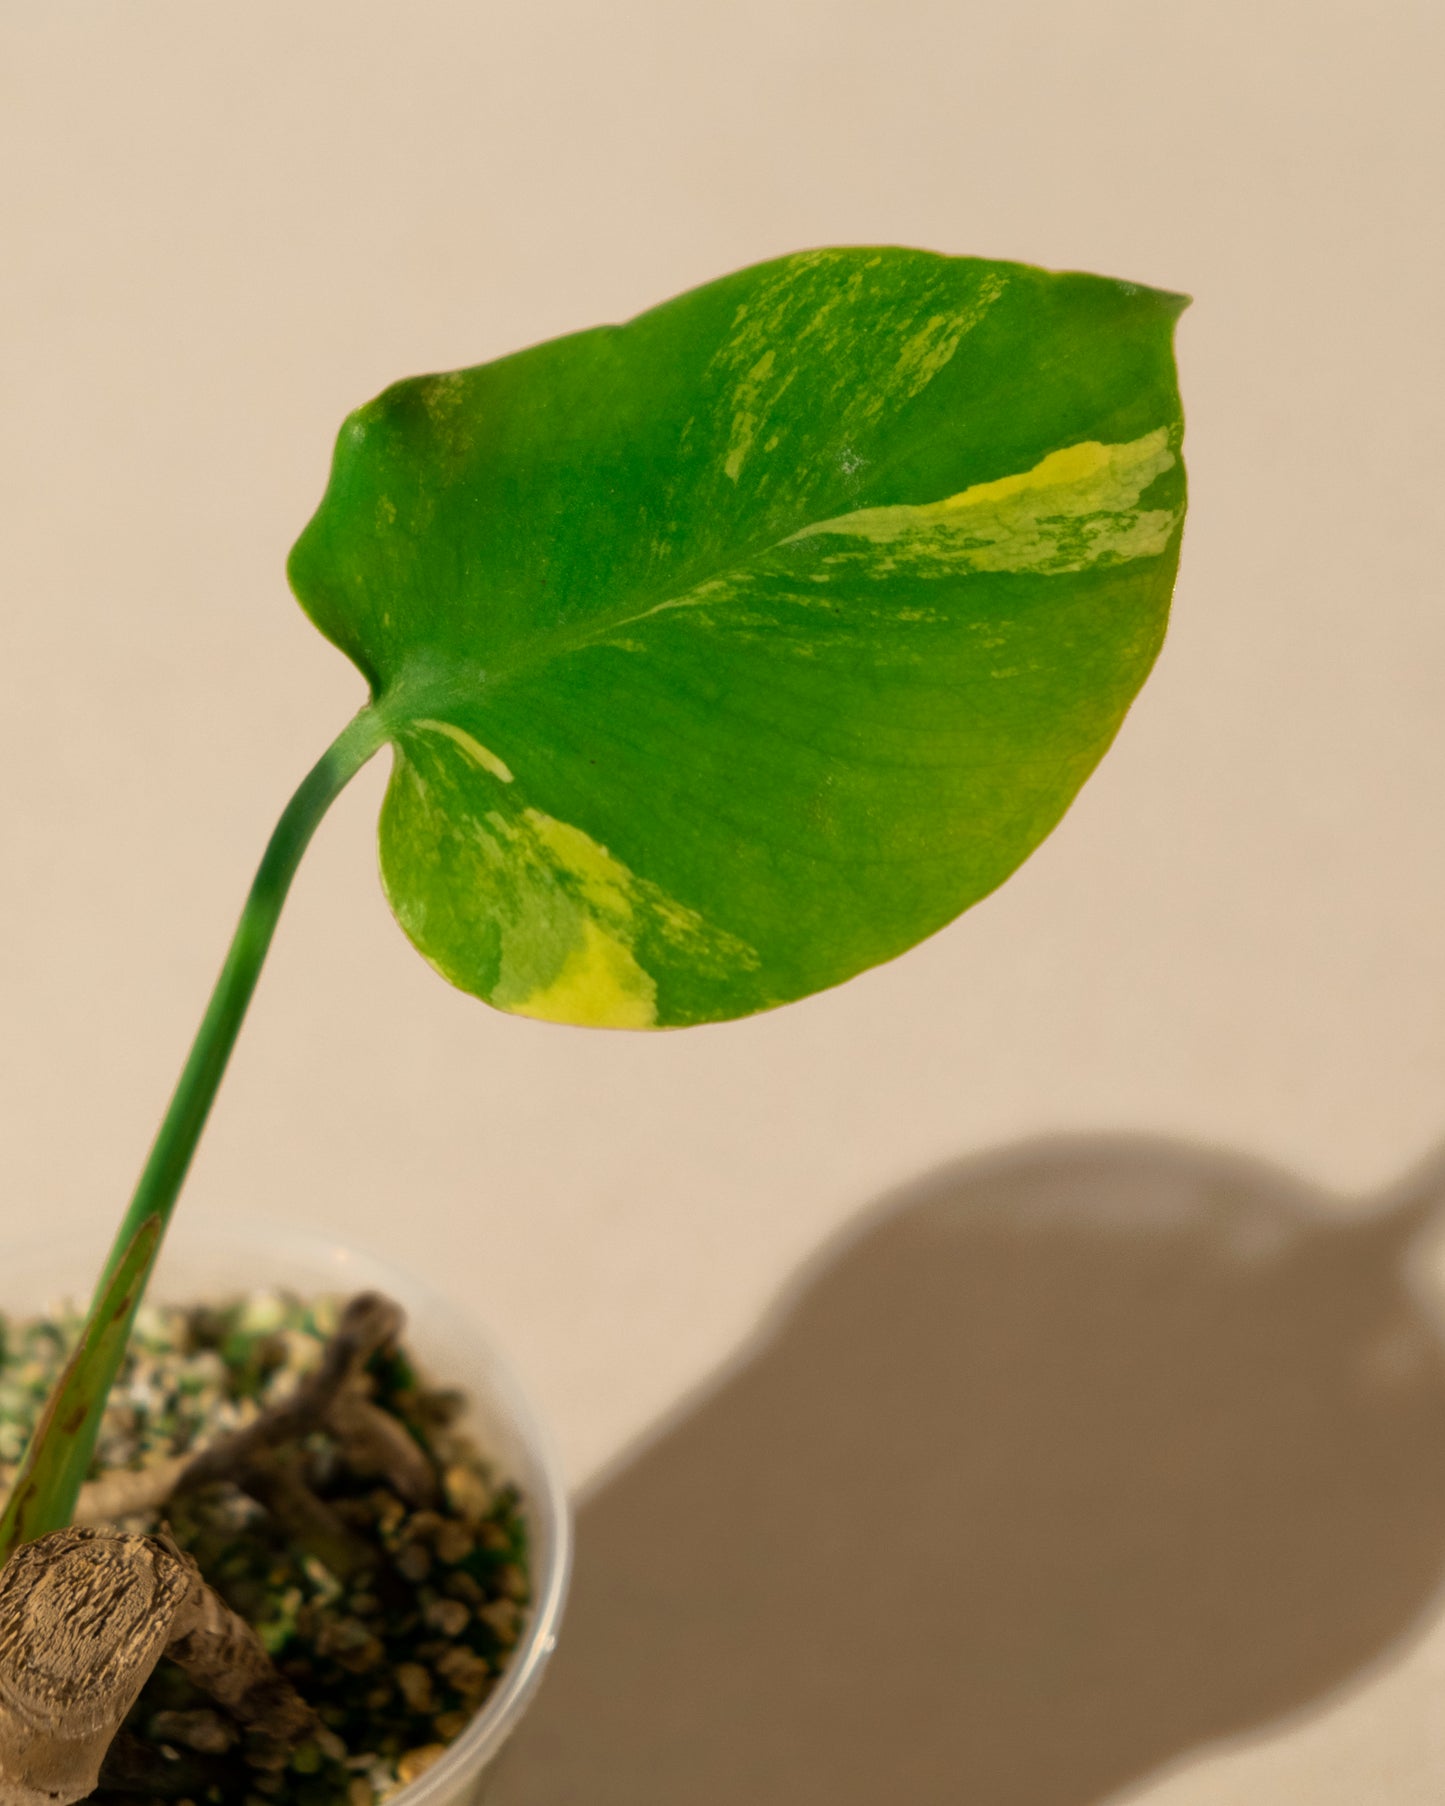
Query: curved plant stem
x: 175, y: 1144
x: 60, y: 1451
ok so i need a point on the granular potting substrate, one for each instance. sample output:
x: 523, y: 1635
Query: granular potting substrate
x: 394, y: 1631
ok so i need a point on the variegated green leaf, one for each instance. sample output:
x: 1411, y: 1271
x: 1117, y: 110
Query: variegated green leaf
x: 736, y: 649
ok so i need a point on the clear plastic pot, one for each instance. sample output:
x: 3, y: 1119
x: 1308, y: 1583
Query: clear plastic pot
x: 201, y: 1262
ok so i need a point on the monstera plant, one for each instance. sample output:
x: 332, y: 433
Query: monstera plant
x: 720, y: 655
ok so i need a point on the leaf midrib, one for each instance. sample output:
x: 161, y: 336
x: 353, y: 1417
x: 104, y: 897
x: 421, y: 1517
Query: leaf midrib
x: 415, y: 691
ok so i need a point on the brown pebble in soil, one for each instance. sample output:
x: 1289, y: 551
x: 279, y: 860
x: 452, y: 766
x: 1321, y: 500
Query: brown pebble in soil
x: 468, y: 1672
x: 388, y: 1510
x: 201, y: 1730
x: 351, y: 1645
x: 503, y: 1619
x: 433, y: 1409
x: 513, y: 1582
x: 413, y: 1563
x: 450, y: 1725
x: 453, y: 1542
x: 449, y: 1616
x: 465, y: 1587
x: 467, y: 1493
x: 415, y: 1685
x: 415, y: 1763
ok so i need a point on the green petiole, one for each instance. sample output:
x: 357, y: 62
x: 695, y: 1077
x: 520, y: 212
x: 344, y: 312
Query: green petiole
x: 43, y: 1497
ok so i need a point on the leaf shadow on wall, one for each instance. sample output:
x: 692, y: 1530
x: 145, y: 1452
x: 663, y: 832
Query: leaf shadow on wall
x: 1069, y: 1461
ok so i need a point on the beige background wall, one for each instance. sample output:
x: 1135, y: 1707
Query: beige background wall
x: 224, y: 226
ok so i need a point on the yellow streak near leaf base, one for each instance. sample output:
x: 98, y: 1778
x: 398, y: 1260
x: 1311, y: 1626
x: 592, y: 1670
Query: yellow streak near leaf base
x: 554, y: 921
x: 475, y: 751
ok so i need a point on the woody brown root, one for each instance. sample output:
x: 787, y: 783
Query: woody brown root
x: 129, y: 1492
x: 307, y: 1522
x: 373, y: 1442
x: 263, y: 1461
x: 85, y: 1616
x: 368, y: 1323
x: 224, y: 1657
x: 334, y: 1399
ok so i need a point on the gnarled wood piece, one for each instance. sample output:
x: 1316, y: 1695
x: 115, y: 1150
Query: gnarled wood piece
x: 368, y: 1322
x: 85, y: 1615
x: 374, y: 1442
x: 83, y: 1620
x: 226, y: 1659
x: 128, y: 1492
x: 333, y: 1398
x: 306, y: 1521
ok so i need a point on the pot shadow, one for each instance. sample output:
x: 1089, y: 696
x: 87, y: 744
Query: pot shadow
x: 1069, y: 1461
